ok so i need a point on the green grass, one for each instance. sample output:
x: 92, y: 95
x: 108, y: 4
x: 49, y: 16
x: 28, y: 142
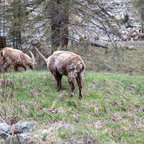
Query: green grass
x: 110, y: 111
x: 120, y: 60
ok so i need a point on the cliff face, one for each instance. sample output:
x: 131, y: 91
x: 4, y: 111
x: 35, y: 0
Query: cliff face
x: 127, y: 18
x: 126, y: 7
x: 122, y: 7
x: 126, y: 14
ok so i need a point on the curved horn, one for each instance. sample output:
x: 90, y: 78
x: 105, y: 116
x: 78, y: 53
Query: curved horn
x: 41, y: 55
x: 33, y: 57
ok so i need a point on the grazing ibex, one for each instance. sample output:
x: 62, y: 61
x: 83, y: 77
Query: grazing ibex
x: 17, y: 58
x: 66, y: 63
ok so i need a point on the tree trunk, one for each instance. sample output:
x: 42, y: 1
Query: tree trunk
x: 55, y: 26
x: 59, y: 24
x: 64, y: 29
x: 2, y: 42
x: 16, y: 33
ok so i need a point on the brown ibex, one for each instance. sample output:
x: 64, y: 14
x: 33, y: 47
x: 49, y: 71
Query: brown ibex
x: 17, y: 58
x: 66, y: 63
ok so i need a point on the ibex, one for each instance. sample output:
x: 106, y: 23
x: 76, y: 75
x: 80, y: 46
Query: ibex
x: 17, y: 58
x: 65, y: 63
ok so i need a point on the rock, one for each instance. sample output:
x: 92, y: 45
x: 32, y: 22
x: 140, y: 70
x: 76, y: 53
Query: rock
x: 59, y: 127
x: 66, y: 127
x: 21, y: 127
x: 24, y: 127
x: 4, y: 127
x: 3, y: 135
x: 130, y: 47
x: 118, y: 17
x: 22, y: 138
x: 44, y: 134
x: 104, y: 67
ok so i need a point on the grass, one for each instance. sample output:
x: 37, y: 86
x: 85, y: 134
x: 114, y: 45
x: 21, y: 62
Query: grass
x: 111, y: 110
x: 120, y: 60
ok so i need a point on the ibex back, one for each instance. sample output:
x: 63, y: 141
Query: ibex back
x: 17, y: 58
x: 66, y: 63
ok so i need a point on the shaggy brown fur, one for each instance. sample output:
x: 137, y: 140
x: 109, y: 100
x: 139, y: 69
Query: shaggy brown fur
x: 17, y: 58
x: 66, y: 63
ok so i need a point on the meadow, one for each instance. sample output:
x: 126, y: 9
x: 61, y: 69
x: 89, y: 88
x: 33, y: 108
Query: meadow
x: 111, y: 110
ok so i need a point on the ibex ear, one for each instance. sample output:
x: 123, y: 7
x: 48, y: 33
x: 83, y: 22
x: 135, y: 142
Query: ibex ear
x: 33, y: 57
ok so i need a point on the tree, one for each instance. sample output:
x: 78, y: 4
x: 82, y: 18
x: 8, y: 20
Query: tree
x: 16, y: 14
x: 59, y: 23
x: 56, y: 20
x: 2, y: 25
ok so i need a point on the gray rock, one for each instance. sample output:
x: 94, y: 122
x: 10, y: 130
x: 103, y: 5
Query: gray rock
x: 66, y: 127
x: 22, y: 138
x: 104, y: 67
x: 24, y: 127
x: 4, y: 127
x: 131, y: 47
x: 3, y: 135
x: 59, y: 127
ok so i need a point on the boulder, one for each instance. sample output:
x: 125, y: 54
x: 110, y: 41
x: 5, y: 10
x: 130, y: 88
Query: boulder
x: 24, y: 127
x: 4, y: 127
x: 20, y: 138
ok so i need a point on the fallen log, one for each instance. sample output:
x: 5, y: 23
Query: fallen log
x: 93, y: 43
x: 97, y: 44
